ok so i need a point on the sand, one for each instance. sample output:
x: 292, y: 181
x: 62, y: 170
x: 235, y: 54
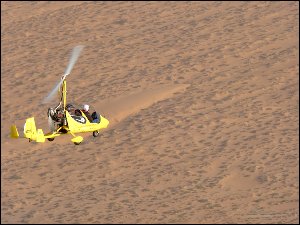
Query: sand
x: 203, y: 100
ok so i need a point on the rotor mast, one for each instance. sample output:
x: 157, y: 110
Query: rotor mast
x: 64, y: 93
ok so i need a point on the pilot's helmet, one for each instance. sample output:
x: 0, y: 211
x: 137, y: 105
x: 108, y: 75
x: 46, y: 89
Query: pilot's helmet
x: 86, y: 107
x: 69, y: 107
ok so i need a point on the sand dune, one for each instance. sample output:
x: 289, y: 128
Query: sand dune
x: 203, y: 100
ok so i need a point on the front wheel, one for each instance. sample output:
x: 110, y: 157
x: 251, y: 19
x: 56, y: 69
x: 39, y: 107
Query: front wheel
x: 77, y: 143
x: 50, y: 139
x: 95, y: 133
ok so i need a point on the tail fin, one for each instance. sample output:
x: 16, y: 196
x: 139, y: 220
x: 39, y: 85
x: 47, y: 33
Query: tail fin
x: 14, y: 132
x: 31, y: 133
x: 30, y: 129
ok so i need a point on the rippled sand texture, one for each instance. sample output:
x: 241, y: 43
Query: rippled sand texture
x: 203, y: 99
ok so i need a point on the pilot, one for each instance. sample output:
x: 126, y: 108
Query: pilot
x: 70, y: 109
x: 85, y: 110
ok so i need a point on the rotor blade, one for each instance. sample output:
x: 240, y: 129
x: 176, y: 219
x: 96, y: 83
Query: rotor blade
x: 74, y: 56
x: 54, y: 91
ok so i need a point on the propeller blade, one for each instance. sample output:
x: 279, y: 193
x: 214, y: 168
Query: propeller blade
x: 51, y: 124
x: 74, y: 56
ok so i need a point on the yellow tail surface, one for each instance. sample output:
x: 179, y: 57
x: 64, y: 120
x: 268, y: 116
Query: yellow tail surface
x: 31, y: 132
x: 14, y: 132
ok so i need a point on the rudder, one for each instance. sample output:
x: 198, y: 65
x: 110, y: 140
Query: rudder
x: 30, y: 129
x: 31, y: 132
x: 14, y: 131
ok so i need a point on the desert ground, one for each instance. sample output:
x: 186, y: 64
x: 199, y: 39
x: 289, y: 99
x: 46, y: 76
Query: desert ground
x: 203, y: 104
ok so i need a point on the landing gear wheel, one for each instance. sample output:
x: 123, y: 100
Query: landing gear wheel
x: 95, y: 133
x: 50, y: 139
x: 77, y: 143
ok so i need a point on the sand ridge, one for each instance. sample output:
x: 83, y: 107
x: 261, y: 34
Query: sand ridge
x: 204, y: 103
x: 119, y: 108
